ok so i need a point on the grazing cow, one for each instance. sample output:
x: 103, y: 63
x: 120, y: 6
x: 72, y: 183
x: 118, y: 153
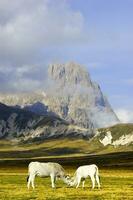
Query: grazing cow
x: 83, y: 172
x: 54, y: 170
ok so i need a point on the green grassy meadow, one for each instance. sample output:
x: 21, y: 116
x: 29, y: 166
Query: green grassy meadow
x: 117, y: 184
x: 115, y: 168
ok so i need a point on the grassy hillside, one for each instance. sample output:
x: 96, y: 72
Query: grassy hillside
x: 72, y: 148
x: 117, y: 131
x: 83, y: 146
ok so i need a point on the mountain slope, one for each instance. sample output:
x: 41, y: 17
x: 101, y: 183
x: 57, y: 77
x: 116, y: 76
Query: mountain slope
x: 71, y: 94
x: 66, y: 147
x: 75, y: 97
x: 118, y: 138
x: 15, y: 122
x: 23, y: 125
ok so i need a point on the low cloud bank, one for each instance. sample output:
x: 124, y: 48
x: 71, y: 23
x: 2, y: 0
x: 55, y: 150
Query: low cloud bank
x: 125, y: 115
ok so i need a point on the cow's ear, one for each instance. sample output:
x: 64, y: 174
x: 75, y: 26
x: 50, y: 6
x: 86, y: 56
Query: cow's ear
x: 67, y: 176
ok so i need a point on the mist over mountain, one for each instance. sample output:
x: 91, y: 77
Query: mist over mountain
x: 80, y: 98
x: 71, y: 95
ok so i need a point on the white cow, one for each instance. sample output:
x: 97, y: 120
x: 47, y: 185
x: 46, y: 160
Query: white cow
x: 83, y: 172
x: 54, y: 170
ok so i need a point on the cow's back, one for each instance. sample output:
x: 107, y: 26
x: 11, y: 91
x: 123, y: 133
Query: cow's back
x: 56, y: 168
x: 46, y: 169
x: 33, y: 166
x: 86, y: 170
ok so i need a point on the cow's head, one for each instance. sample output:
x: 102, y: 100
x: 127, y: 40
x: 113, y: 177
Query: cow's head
x: 67, y: 179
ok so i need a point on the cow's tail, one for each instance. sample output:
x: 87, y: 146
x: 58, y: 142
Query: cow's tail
x: 28, y: 174
x: 27, y: 178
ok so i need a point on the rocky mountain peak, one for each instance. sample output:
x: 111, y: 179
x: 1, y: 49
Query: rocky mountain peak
x: 70, y: 73
x: 72, y: 95
x: 79, y: 97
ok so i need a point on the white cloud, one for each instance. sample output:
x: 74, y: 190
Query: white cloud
x: 26, y: 85
x: 31, y: 26
x: 29, y: 30
x: 125, y: 115
x: 23, y: 70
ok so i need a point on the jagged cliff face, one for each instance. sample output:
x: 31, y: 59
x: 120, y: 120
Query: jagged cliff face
x: 15, y: 122
x: 69, y: 74
x: 77, y: 99
x: 72, y: 95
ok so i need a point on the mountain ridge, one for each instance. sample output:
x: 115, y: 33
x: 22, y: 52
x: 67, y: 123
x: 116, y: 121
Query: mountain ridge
x: 26, y: 126
x: 72, y: 95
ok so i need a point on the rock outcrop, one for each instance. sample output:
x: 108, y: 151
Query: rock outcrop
x: 76, y: 98
x: 71, y: 95
x: 24, y: 126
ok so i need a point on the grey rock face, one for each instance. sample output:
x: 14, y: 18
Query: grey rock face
x: 69, y: 74
x: 76, y: 98
x: 72, y: 95
x: 15, y: 122
x: 26, y: 126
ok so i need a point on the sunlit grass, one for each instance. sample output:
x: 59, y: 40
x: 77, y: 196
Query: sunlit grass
x: 117, y: 184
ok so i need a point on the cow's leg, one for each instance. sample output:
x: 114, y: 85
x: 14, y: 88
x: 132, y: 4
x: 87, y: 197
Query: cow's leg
x: 83, y: 183
x: 97, y: 180
x: 32, y: 181
x: 93, y: 182
x: 52, y: 180
x: 79, y: 179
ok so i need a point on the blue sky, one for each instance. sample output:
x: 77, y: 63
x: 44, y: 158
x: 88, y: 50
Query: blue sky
x: 110, y: 55
x: 95, y: 33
